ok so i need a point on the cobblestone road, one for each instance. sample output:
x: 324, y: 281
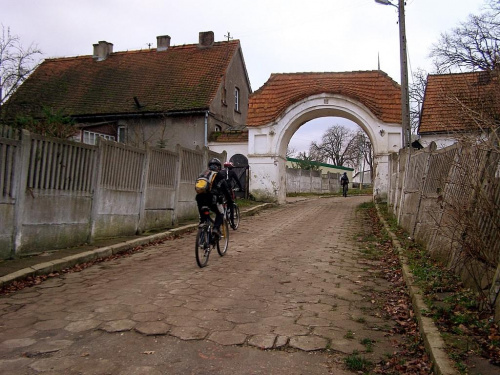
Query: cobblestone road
x: 293, y: 282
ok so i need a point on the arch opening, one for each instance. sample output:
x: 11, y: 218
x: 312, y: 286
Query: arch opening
x: 313, y: 131
x: 327, y: 116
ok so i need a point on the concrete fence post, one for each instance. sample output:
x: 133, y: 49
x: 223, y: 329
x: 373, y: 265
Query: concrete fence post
x: 20, y: 188
x: 443, y: 198
x: 429, y: 150
x: 177, y: 184
x: 97, y: 191
x: 311, y: 189
x: 144, y: 188
x: 300, y: 180
x: 403, y: 170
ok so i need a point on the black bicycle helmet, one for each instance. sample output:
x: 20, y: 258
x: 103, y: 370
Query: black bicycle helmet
x: 214, y: 164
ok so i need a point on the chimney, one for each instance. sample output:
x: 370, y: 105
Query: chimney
x: 102, y: 50
x: 206, y: 39
x: 162, y: 43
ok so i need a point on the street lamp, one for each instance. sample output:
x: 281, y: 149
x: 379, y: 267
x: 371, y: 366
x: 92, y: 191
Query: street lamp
x: 405, y: 97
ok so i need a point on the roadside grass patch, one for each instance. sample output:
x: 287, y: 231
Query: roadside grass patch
x: 349, y: 335
x: 355, y: 362
x: 466, y: 326
x: 368, y: 344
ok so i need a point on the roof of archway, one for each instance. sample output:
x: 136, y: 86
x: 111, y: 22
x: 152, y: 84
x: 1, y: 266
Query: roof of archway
x: 374, y: 89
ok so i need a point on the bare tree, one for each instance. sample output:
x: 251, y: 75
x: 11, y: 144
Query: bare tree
x: 473, y: 45
x: 16, y: 63
x: 365, y: 153
x: 290, y: 152
x: 417, y: 92
x: 51, y: 123
x: 338, y: 146
x: 305, y: 162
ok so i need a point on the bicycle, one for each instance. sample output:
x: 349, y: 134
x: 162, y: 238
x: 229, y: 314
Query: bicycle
x: 206, y: 241
x: 236, y: 209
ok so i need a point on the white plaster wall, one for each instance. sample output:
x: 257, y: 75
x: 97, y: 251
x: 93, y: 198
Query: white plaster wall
x: 441, y: 141
x: 267, y: 144
x: 230, y: 148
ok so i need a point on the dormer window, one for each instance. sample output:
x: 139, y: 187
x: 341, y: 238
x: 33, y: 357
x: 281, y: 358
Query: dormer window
x: 236, y: 99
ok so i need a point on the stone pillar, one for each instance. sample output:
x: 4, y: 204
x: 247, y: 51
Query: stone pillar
x: 381, y: 177
x: 268, y: 178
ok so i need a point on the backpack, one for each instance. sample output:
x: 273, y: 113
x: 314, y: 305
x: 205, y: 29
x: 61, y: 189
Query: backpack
x: 204, y: 182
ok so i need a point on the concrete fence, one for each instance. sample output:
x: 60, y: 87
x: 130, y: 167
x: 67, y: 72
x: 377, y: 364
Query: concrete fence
x: 309, y: 181
x: 57, y: 194
x: 449, y: 199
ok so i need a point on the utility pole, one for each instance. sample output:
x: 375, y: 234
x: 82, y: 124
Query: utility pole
x: 405, y: 97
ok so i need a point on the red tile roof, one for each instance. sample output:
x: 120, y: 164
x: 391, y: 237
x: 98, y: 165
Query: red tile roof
x: 181, y: 78
x: 452, y: 102
x: 374, y: 89
x: 236, y: 136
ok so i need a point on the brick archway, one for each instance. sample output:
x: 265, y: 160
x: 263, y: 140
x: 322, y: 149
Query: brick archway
x: 286, y: 101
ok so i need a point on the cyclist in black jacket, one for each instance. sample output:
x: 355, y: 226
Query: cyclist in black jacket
x: 232, y: 182
x: 218, y: 191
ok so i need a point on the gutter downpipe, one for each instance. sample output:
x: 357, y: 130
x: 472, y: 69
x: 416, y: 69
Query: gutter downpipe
x: 206, y: 128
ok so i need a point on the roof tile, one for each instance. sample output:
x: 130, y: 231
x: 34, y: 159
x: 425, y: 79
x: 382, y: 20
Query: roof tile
x: 236, y: 136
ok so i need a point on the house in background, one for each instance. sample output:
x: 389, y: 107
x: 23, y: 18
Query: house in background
x: 165, y: 96
x: 362, y: 177
x: 323, y: 167
x: 459, y: 105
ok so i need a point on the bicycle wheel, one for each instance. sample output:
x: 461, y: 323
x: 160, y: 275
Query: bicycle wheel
x: 236, y: 216
x: 202, y: 249
x: 223, y: 242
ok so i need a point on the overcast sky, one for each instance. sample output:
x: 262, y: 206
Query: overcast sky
x: 277, y: 36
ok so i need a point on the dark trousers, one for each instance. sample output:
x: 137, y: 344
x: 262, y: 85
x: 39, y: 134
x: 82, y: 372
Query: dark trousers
x: 210, y: 201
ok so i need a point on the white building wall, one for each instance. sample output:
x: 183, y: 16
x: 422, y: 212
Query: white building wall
x: 230, y: 148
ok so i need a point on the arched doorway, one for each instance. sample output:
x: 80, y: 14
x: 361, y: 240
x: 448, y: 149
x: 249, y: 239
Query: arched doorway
x: 241, y: 169
x: 286, y: 101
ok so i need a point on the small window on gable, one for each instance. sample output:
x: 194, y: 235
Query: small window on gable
x: 224, y: 96
x: 236, y: 99
x: 121, y: 134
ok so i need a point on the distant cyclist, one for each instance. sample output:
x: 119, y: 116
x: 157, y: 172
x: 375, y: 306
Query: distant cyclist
x: 218, y: 190
x: 344, y: 181
x: 232, y: 182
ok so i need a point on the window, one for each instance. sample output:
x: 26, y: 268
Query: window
x: 218, y: 128
x: 90, y: 138
x: 121, y: 134
x: 236, y: 99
